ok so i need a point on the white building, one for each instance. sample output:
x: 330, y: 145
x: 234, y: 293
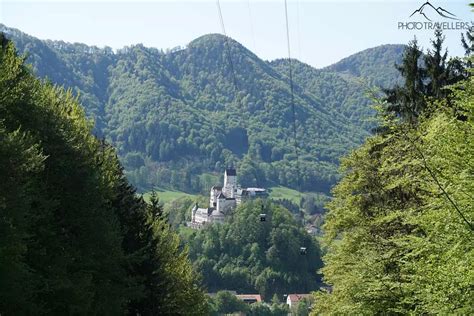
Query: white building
x: 203, y: 216
x: 222, y: 201
x: 293, y: 299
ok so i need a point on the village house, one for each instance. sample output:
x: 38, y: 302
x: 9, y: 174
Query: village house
x: 293, y: 299
x: 249, y: 298
x: 246, y: 298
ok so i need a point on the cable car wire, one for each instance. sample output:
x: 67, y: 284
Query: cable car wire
x: 251, y: 27
x: 298, y: 27
x: 293, y: 110
x: 227, y: 46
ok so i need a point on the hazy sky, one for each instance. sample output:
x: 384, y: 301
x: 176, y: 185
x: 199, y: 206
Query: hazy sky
x: 321, y: 32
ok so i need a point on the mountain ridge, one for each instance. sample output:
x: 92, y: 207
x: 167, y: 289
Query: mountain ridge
x: 179, y: 114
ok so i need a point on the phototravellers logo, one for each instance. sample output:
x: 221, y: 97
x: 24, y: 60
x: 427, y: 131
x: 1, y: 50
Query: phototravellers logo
x: 430, y: 17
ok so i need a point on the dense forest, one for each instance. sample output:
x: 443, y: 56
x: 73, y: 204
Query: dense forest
x: 399, y: 231
x: 74, y: 237
x: 248, y: 255
x: 177, y: 114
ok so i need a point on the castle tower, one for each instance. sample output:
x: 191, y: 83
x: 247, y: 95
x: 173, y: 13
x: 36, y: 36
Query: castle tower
x: 193, y: 213
x: 220, y: 203
x: 215, y: 191
x: 230, y: 183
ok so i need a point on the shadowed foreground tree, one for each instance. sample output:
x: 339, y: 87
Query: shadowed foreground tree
x: 74, y: 237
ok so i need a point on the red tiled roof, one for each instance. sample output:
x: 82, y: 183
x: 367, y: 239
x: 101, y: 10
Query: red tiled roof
x: 297, y: 297
x: 250, y: 297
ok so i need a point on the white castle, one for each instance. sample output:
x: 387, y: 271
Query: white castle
x: 223, y: 201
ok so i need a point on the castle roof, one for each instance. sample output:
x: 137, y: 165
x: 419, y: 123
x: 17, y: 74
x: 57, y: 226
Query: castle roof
x: 230, y: 172
x: 203, y: 211
x: 216, y: 187
x: 221, y: 196
x: 256, y: 189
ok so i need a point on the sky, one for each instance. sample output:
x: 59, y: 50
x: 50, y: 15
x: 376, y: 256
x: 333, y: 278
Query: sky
x: 321, y: 31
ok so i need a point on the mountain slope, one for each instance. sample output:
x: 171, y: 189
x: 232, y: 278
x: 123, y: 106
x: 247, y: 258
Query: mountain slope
x: 376, y: 65
x: 175, y: 115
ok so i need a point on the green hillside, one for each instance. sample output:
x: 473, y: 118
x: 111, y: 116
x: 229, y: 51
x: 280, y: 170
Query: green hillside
x: 376, y: 65
x: 166, y: 196
x: 175, y: 115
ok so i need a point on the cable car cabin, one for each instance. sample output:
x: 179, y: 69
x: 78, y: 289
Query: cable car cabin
x: 302, y: 250
x: 263, y: 217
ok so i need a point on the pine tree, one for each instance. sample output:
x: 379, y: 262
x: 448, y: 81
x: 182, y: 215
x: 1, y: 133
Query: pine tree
x: 156, y: 208
x: 408, y: 101
x: 467, y: 41
x: 436, y: 67
x: 425, y: 76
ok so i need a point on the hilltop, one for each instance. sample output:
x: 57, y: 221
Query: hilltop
x: 175, y: 115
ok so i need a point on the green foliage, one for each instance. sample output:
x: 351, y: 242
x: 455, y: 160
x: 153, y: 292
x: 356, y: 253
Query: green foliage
x: 408, y: 101
x: 247, y: 255
x: 173, y: 116
x: 375, y: 65
x: 260, y: 309
x: 70, y: 243
x: 227, y: 303
x: 399, y: 230
x: 75, y: 238
x: 425, y: 77
x: 302, y: 308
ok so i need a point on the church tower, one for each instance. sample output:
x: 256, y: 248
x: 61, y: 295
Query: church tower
x: 230, y: 183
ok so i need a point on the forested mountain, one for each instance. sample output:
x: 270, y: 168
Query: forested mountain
x: 375, y: 65
x: 177, y: 114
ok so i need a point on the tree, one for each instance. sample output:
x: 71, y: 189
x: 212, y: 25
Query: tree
x: 424, y: 80
x: 75, y: 237
x: 302, y: 308
x: 21, y: 162
x: 260, y: 309
x: 396, y: 215
x: 156, y: 208
x: 467, y: 40
x: 407, y: 101
x: 227, y: 303
x: 436, y: 67
x: 70, y: 242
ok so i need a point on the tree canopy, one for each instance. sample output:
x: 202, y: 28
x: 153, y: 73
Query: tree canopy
x: 75, y: 238
x: 248, y: 255
x: 399, y: 229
